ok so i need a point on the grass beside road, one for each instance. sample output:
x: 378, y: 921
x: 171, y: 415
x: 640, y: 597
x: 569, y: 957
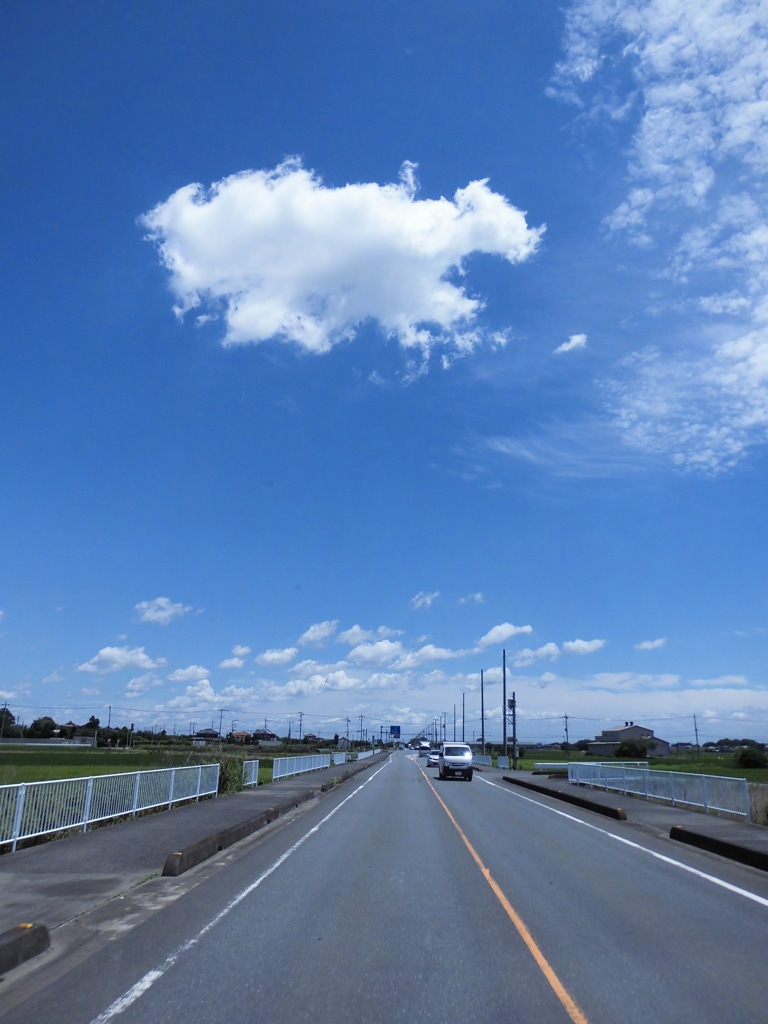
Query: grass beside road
x: 693, y: 762
x: 44, y: 764
x: 49, y: 764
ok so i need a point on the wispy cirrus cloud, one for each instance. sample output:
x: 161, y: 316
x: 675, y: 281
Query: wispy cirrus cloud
x: 651, y: 645
x: 689, y: 79
x: 575, y: 341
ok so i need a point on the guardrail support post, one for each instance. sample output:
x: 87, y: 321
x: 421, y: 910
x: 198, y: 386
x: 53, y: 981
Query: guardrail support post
x: 18, y: 815
x: 87, y: 808
x: 136, y: 783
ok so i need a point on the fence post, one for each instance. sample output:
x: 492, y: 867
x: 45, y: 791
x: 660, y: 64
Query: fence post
x: 704, y: 793
x: 18, y: 815
x: 87, y: 808
x: 170, y: 793
x: 747, y: 810
x: 136, y: 783
x: 671, y: 779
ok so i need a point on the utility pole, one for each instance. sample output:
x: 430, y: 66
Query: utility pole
x: 462, y: 718
x: 454, y: 723
x: 696, y: 731
x: 513, y: 706
x: 361, y: 729
x: 482, y: 710
x: 504, y: 700
x: 567, y: 742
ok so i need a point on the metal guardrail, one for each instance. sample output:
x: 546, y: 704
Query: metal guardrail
x: 283, y: 766
x: 562, y: 766
x: 250, y: 773
x: 32, y: 809
x: 484, y: 759
x: 710, y: 792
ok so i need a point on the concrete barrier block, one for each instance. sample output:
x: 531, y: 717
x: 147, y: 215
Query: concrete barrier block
x: 609, y: 811
x: 755, y: 858
x: 22, y: 943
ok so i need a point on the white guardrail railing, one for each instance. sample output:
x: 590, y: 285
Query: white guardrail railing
x: 710, y: 792
x: 250, y: 773
x: 32, y: 809
x: 284, y: 766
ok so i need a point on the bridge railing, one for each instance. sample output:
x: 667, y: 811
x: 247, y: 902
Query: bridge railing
x: 283, y: 766
x: 710, y: 792
x: 32, y: 809
x: 250, y: 773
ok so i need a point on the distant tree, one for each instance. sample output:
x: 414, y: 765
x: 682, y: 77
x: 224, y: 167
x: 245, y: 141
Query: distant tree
x: 41, y: 728
x: 740, y: 743
x: 8, y: 725
x: 751, y: 757
x: 632, y: 750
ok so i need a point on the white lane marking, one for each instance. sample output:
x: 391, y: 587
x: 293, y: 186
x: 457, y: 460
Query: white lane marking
x: 148, y: 980
x: 637, y: 846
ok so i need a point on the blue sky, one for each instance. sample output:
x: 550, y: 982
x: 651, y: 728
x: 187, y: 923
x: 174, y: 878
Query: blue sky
x: 347, y: 345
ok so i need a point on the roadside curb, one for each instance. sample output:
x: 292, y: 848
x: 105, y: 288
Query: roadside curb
x: 617, y: 813
x: 22, y: 943
x: 733, y: 851
x: 182, y: 860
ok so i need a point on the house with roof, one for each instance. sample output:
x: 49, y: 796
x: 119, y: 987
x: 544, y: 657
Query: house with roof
x: 241, y: 736
x: 265, y: 736
x: 607, y: 743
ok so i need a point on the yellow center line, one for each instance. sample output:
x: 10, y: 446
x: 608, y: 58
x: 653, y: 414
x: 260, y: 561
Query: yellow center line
x: 568, y: 1002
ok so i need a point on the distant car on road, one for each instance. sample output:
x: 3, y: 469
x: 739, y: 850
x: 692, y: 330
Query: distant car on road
x: 424, y: 748
x: 433, y: 758
x: 455, y: 760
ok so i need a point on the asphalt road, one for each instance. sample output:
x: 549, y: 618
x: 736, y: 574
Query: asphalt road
x: 403, y: 898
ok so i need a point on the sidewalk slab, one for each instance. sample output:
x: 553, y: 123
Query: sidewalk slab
x: 736, y: 840
x: 48, y: 885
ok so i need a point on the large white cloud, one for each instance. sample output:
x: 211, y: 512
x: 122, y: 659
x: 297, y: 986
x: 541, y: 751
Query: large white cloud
x: 282, y: 256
